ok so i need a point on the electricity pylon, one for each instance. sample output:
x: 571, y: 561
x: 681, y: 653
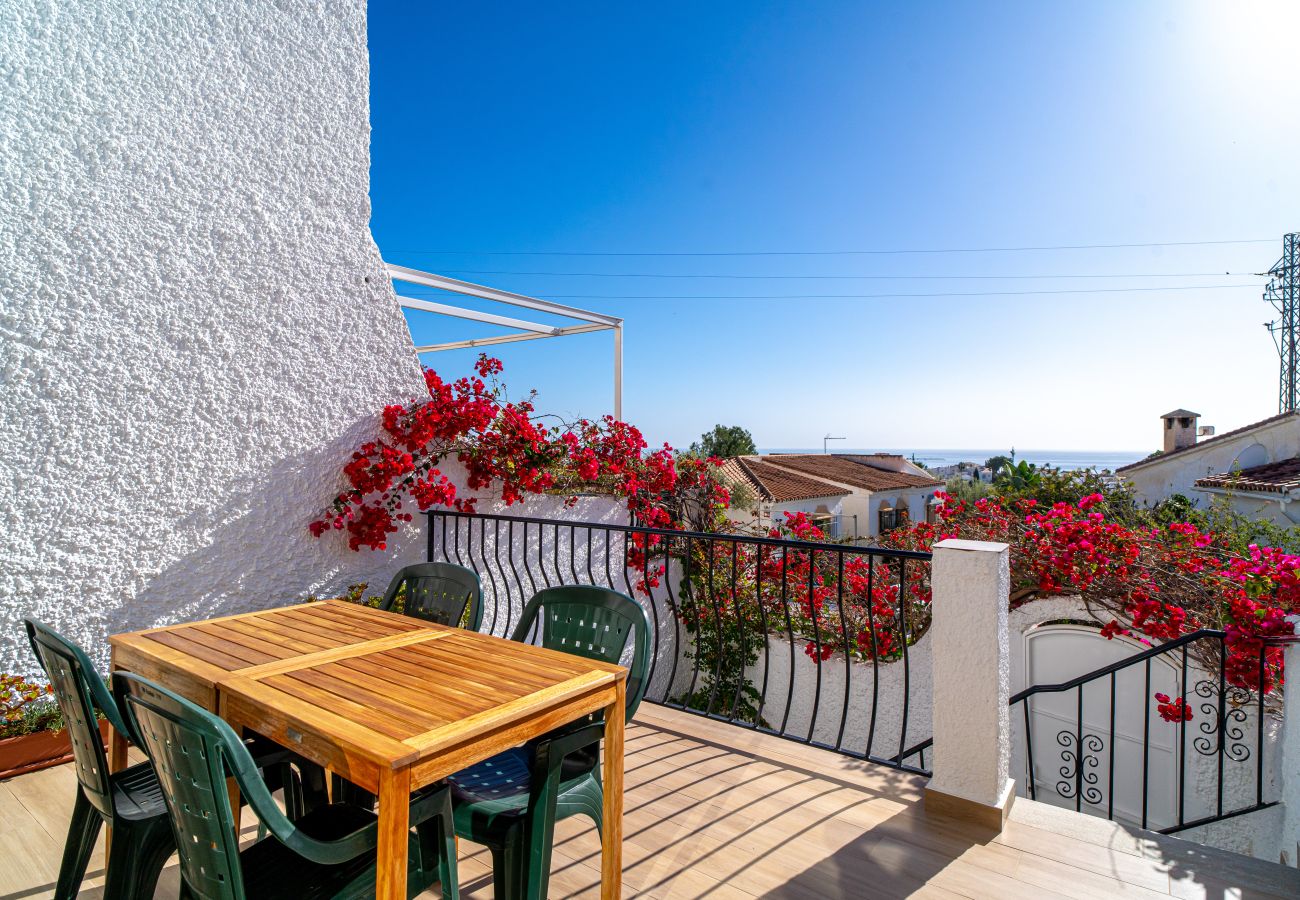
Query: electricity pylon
x: 1283, y: 291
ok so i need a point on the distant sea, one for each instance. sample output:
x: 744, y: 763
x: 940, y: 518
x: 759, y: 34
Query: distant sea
x: 1058, y: 459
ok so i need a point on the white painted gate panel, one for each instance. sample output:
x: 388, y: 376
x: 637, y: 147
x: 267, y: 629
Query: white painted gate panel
x: 1112, y: 734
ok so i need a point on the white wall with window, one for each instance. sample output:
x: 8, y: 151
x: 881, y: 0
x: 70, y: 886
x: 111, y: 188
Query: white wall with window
x: 898, y: 509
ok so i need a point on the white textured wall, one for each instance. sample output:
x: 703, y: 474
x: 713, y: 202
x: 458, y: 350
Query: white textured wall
x: 195, y: 326
x: 1162, y: 478
x: 1289, y: 826
x: 845, y: 693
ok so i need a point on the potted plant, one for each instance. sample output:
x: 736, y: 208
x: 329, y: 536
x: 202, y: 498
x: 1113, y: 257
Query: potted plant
x: 32, y: 733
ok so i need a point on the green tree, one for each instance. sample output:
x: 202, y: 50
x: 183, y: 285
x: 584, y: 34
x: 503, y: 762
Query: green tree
x: 997, y: 462
x: 725, y: 441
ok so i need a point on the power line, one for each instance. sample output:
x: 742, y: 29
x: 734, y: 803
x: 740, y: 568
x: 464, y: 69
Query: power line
x: 878, y: 252
x: 1184, y: 287
x: 852, y: 277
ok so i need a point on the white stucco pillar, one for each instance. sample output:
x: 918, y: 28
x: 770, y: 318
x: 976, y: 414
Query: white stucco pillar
x: 1289, y: 759
x: 971, y: 581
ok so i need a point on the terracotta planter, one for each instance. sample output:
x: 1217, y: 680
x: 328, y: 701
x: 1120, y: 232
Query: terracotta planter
x: 32, y: 752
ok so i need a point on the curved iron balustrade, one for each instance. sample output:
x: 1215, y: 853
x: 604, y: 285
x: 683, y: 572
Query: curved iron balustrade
x: 516, y: 556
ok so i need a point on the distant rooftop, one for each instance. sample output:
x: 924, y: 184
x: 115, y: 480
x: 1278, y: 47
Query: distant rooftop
x: 1271, y: 478
x: 775, y: 484
x: 855, y: 470
x: 1236, y: 432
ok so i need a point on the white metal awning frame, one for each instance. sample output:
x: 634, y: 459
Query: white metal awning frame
x: 524, y: 330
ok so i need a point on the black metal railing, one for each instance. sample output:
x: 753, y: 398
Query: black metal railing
x: 1145, y: 770
x: 802, y: 640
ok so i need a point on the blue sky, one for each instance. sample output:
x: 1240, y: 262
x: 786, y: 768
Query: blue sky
x: 744, y: 127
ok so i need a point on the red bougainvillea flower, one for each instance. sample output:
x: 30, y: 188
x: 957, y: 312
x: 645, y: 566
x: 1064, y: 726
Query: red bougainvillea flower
x: 503, y: 446
x: 1149, y: 583
x: 1174, y: 710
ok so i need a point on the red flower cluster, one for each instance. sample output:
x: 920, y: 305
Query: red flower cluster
x: 1175, y: 710
x: 502, y: 445
x: 1148, y: 582
x: 834, y: 602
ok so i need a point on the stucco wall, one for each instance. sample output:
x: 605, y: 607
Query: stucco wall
x: 1162, y: 478
x: 195, y: 325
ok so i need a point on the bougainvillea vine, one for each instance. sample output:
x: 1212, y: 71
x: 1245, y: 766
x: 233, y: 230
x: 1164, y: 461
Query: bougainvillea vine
x: 504, y: 446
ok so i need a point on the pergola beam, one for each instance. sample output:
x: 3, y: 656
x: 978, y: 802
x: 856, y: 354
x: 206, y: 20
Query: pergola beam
x: 474, y: 315
x: 524, y: 330
x: 508, y: 338
x: 442, y: 282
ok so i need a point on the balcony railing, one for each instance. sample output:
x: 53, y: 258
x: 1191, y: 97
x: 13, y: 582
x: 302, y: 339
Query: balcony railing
x: 807, y: 641
x: 818, y: 643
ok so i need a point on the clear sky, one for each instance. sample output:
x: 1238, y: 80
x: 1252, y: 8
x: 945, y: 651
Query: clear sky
x: 656, y: 128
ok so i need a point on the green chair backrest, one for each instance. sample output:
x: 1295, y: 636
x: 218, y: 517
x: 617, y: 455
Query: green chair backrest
x: 594, y: 622
x: 79, y: 691
x: 193, y: 752
x: 440, y: 592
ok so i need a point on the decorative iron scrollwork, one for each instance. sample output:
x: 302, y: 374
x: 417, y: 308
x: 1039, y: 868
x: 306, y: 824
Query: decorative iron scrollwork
x: 1079, y: 766
x: 1234, y: 717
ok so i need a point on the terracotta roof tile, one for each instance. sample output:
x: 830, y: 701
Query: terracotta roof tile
x: 775, y: 484
x: 1276, y: 477
x: 1236, y: 432
x: 856, y: 472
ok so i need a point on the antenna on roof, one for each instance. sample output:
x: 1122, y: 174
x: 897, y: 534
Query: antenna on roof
x: 830, y: 437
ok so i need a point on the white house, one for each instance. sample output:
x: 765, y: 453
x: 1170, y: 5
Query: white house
x: 1255, y: 466
x: 966, y: 471
x: 851, y: 496
x: 778, y: 491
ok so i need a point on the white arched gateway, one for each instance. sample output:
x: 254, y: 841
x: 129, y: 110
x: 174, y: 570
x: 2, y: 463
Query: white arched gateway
x: 1117, y: 713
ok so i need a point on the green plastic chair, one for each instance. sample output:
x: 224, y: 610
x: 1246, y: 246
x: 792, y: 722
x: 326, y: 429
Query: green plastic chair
x: 512, y: 801
x: 438, y: 592
x: 330, y: 852
x: 130, y: 801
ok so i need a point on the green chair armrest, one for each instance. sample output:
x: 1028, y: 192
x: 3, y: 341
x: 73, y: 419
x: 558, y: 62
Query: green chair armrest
x: 549, y: 752
x: 259, y: 798
x: 423, y: 808
x: 429, y: 803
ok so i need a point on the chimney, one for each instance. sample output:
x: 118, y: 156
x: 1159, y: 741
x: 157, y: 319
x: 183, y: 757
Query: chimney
x: 1180, y: 429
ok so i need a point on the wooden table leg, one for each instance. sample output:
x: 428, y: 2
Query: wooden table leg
x: 116, y: 762
x: 232, y: 793
x: 116, y: 751
x: 611, y: 837
x: 394, y: 833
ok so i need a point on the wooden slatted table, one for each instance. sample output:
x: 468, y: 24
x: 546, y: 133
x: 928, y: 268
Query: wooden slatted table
x: 388, y: 702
